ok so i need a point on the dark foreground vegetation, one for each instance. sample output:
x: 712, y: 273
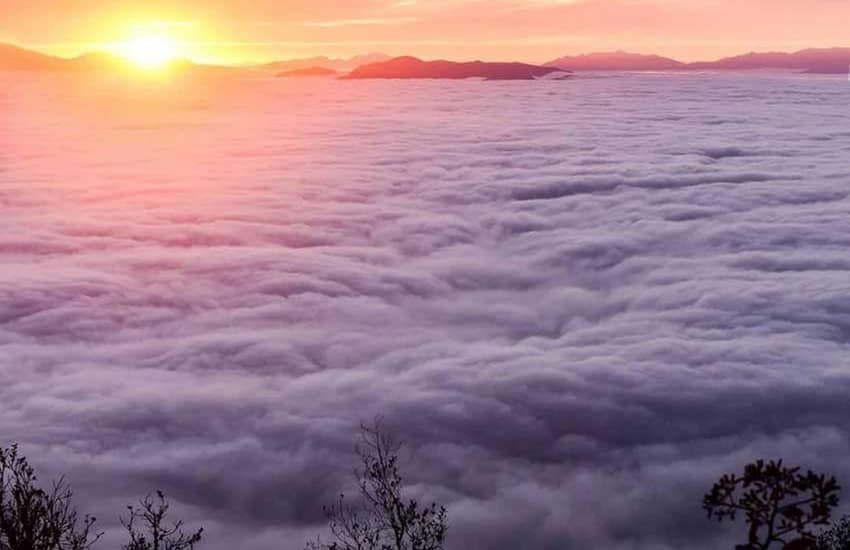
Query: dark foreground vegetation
x: 36, y: 517
x: 384, y: 519
x: 783, y: 508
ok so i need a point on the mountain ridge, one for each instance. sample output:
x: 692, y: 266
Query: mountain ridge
x: 615, y: 61
x: 340, y: 65
x: 810, y: 60
x: 408, y: 67
x: 17, y: 58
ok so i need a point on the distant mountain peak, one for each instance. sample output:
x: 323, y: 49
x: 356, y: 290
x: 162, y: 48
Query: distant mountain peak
x: 814, y: 60
x: 339, y: 65
x: 810, y: 60
x: 408, y: 67
x: 618, y: 60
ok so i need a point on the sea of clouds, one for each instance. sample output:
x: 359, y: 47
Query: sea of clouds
x: 577, y: 302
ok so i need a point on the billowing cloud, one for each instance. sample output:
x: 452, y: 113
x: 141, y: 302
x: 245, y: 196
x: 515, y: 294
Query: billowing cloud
x: 578, y: 302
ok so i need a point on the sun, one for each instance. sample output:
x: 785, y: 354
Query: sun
x: 150, y: 51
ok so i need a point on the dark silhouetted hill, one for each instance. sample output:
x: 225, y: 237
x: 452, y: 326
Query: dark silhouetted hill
x: 616, y: 61
x: 308, y: 72
x: 411, y: 67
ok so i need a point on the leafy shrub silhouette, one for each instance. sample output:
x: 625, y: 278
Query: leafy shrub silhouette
x: 155, y: 532
x: 836, y: 537
x: 385, y: 520
x: 781, y: 505
x: 32, y: 518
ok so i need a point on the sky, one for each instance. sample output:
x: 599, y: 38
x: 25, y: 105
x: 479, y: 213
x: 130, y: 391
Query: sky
x: 241, y: 31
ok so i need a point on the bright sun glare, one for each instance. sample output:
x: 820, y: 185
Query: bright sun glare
x: 150, y: 51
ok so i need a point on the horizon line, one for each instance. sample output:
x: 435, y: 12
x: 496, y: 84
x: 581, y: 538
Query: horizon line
x: 102, y: 48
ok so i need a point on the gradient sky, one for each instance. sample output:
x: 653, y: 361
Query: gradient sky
x: 533, y: 30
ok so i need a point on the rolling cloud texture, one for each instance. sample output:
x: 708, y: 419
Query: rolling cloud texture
x: 578, y: 302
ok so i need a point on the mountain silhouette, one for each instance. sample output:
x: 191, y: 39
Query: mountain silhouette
x: 337, y: 65
x: 411, y: 67
x: 812, y: 60
x: 616, y: 61
x: 13, y: 58
x: 95, y: 61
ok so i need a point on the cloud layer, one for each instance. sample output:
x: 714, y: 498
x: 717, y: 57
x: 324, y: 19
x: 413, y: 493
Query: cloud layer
x: 578, y: 302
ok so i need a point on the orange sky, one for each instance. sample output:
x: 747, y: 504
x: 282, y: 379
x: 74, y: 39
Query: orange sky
x: 235, y: 31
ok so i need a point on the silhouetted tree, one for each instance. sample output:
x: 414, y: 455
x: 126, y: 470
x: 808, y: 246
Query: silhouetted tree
x: 384, y: 520
x: 836, y: 537
x: 32, y: 518
x: 781, y: 505
x: 149, y: 529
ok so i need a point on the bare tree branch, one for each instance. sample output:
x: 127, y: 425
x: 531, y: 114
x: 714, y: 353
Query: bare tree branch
x: 32, y: 518
x: 149, y: 529
x: 386, y: 520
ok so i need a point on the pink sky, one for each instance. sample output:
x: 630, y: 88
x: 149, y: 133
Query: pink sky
x: 529, y: 30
